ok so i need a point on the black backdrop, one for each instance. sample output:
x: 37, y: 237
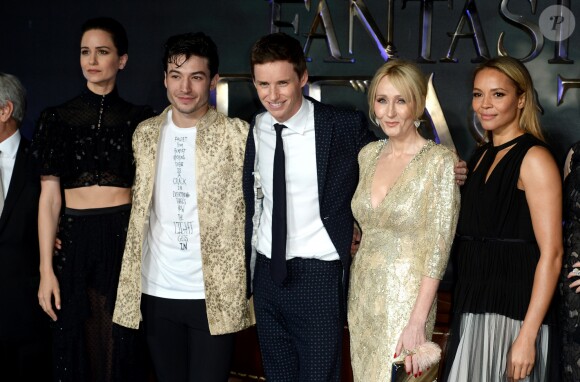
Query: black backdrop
x: 40, y: 42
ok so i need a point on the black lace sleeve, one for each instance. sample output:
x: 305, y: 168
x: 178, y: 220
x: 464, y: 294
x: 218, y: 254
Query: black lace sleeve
x: 48, y: 147
x: 575, y: 160
x: 570, y: 300
x: 87, y: 140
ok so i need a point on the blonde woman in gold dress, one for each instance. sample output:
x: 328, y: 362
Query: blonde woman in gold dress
x: 406, y: 204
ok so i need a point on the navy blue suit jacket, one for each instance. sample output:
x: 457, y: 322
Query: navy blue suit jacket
x: 339, y: 134
x: 19, y: 256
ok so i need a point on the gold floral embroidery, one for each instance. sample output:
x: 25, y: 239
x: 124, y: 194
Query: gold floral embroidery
x: 220, y: 149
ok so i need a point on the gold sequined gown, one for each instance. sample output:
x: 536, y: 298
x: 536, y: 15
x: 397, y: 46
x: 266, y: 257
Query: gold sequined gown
x: 407, y: 236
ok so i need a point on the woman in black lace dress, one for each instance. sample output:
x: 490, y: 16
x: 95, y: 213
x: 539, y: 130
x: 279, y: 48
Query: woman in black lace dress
x: 570, y: 280
x: 84, y: 151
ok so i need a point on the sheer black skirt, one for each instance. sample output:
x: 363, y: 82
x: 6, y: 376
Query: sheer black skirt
x: 87, y: 345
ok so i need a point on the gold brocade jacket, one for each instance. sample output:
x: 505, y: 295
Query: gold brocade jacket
x: 220, y: 145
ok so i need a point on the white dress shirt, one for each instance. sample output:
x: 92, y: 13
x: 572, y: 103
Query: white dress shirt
x: 307, y: 237
x: 8, y: 150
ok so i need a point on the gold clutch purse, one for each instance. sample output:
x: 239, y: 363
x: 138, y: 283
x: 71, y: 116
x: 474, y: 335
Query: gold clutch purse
x: 426, y: 355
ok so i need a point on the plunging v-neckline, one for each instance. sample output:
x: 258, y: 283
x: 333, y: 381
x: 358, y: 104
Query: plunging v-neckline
x: 486, y: 162
x: 397, y: 181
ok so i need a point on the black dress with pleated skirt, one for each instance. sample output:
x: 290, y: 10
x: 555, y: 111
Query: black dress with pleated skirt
x: 495, y: 255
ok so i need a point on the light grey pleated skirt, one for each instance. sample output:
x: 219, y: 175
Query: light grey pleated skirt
x: 485, y: 340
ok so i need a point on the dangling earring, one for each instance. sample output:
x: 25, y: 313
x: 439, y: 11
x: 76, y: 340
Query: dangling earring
x: 417, y: 123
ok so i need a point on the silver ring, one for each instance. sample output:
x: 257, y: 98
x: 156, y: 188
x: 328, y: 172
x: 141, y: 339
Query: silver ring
x: 576, y: 272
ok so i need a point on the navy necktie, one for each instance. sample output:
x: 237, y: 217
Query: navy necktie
x: 279, y: 230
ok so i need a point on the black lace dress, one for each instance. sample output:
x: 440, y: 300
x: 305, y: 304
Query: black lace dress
x: 570, y: 304
x: 85, y: 142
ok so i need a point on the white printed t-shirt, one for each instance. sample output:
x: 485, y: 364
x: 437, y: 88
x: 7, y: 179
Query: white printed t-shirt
x: 172, y: 265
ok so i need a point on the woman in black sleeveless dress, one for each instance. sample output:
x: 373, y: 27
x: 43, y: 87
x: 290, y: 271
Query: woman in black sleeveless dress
x: 508, y: 249
x: 569, y: 279
x: 84, y: 152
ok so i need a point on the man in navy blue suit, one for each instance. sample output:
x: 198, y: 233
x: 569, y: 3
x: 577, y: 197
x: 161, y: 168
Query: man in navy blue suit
x: 24, y: 332
x: 300, y: 304
x: 299, y: 225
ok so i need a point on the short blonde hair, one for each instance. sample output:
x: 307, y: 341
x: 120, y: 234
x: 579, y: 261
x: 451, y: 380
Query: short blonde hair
x: 407, y: 78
